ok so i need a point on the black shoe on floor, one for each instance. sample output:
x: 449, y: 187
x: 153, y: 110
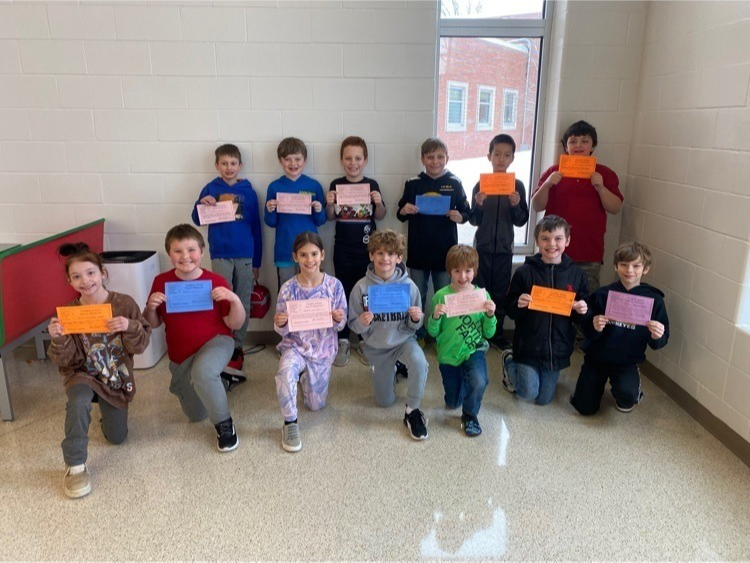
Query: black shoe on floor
x: 226, y: 436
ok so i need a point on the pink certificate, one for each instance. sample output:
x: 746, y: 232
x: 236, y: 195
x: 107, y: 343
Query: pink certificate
x: 626, y: 308
x: 353, y: 194
x: 294, y: 203
x: 309, y: 314
x: 222, y: 212
x: 465, y: 302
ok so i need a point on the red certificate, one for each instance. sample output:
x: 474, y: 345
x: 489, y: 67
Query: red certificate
x: 294, y: 203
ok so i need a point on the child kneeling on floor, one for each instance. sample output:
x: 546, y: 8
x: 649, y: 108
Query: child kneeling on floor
x: 613, y: 349
x: 462, y: 339
x: 306, y: 355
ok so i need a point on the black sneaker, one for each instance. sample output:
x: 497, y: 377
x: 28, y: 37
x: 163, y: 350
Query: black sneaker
x: 401, y: 370
x: 470, y: 425
x: 227, y: 436
x: 416, y: 422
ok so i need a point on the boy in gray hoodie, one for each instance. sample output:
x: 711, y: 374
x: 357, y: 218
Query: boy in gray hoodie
x: 391, y: 336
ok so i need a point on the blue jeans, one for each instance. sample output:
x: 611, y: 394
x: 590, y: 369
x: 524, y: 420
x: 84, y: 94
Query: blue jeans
x: 440, y: 278
x: 465, y: 384
x: 533, y: 384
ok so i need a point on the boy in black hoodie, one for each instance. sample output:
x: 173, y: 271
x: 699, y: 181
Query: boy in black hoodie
x: 614, y: 348
x: 542, y: 342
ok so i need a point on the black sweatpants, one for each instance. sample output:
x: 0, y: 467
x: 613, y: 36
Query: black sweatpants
x: 494, y: 276
x: 625, y: 380
x: 349, y: 269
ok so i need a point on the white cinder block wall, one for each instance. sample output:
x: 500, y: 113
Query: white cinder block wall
x: 114, y: 109
x: 594, y: 62
x: 688, y: 194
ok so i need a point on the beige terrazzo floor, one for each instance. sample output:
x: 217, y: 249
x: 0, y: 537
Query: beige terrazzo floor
x: 540, y: 483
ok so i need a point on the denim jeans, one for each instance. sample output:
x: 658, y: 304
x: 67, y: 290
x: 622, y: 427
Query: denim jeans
x: 440, y: 278
x: 465, y: 384
x: 533, y: 384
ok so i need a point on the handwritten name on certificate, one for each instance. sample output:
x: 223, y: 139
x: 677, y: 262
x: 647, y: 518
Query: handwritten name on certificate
x: 465, y: 302
x: 353, y: 194
x: 627, y: 308
x: 548, y: 300
x: 433, y: 205
x: 388, y: 298
x: 309, y: 314
x: 573, y: 166
x: 497, y: 184
x: 294, y: 203
x: 85, y: 318
x: 222, y: 212
x: 188, y: 296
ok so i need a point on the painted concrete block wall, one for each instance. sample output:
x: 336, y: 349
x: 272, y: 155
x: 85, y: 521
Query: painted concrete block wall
x: 594, y: 67
x: 114, y: 109
x: 688, y: 195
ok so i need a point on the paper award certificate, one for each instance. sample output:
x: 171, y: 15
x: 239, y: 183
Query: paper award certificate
x: 309, y: 314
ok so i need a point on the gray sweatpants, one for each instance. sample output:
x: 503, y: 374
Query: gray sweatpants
x: 78, y: 419
x: 197, y: 381
x: 383, y: 365
x: 239, y: 275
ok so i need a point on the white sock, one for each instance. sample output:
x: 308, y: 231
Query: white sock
x: 75, y: 469
x: 408, y: 409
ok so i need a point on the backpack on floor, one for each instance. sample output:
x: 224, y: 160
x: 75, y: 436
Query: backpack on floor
x: 260, y: 301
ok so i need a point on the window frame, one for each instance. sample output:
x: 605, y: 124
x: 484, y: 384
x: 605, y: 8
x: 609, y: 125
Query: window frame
x: 486, y: 126
x: 464, y: 106
x: 506, y: 124
x: 504, y: 28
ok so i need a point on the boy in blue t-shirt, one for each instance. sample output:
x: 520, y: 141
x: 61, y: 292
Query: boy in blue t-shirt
x: 292, y: 154
x: 236, y: 246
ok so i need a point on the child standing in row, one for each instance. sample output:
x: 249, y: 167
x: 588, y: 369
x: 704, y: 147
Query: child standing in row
x: 199, y: 343
x: 292, y: 154
x: 96, y: 367
x: 306, y: 355
x: 495, y: 216
x: 237, y: 246
x: 542, y: 342
x: 390, y: 337
x: 613, y: 349
x: 431, y: 236
x: 354, y: 227
x: 461, y: 340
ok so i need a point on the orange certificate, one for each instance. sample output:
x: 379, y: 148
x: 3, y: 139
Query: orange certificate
x: 497, y: 184
x: 85, y: 318
x: 548, y: 300
x: 577, y: 166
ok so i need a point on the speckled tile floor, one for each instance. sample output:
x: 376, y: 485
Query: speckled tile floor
x: 540, y: 483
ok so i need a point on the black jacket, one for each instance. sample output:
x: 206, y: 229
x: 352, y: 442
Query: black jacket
x: 431, y: 236
x: 544, y: 340
x: 621, y: 343
x: 495, y: 221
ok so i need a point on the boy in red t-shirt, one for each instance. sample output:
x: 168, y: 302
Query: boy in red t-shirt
x: 584, y: 203
x: 199, y: 342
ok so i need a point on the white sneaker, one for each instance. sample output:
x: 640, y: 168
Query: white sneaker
x: 505, y: 357
x: 342, y: 357
x: 290, y: 439
x: 77, y: 485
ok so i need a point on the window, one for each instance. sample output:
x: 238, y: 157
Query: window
x: 492, y: 56
x: 485, y: 108
x: 510, y: 108
x: 456, y: 114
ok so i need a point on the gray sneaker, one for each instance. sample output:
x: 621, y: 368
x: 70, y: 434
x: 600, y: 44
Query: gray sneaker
x: 505, y: 357
x: 290, y: 439
x: 361, y: 352
x: 342, y: 356
x: 77, y: 485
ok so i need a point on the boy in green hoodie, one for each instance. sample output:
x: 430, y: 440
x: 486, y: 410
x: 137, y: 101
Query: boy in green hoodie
x: 462, y: 339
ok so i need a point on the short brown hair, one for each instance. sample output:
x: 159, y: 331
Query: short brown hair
x: 550, y: 223
x: 228, y: 150
x: 433, y: 144
x: 353, y: 141
x: 183, y: 232
x: 632, y: 251
x: 462, y: 255
x: 389, y: 241
x: 291, y: 145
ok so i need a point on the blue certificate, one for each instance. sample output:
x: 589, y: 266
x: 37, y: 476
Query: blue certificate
x: 188, y: 296
x: 389, y: 298
x: 433, y: 205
